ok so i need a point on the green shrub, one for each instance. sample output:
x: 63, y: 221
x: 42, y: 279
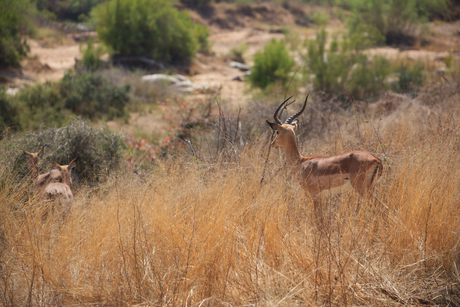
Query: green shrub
x: 344, y: 69
x: 7, y: 112
x: 92, y: 56
x: 320, y: 19
x: 40, y: 105
x: 201, y: 34
x: 50, y: 104
x: 14, y: 21
x: 150, y: 28
x: 272, y: 65
x: 237, y: 53
x: 68, y: 9
x: 93, y: 96
x: 99, y: 150
x: 411, y: 77
x: 395, y: 19
x: 369, y: 76
x: 196, y: 3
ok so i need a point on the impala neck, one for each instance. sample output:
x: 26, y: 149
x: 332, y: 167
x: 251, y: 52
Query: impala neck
x: 65, y: 178
x: 35, y: 172
x: 293, y: 156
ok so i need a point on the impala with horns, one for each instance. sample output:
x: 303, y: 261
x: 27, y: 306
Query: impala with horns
x: 354, y: 170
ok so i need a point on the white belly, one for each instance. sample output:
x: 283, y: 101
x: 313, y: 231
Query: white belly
x: 337, y: 190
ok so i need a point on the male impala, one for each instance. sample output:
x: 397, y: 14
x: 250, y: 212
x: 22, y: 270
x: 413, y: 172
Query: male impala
x: 41, y: 181
x: 358, y: 170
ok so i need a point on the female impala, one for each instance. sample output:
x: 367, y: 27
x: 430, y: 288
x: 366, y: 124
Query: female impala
x: 358, y: 170
x: 41, y: 181
x: 61, y: 190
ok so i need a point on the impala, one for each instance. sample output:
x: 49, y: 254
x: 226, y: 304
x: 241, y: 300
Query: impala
x: 41, y: 181
x: 62, y: 189
x: 355, y: 170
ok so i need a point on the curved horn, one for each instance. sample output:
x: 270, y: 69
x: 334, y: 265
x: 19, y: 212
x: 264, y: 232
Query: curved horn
x: 277, y: 120
x: 290, y: 119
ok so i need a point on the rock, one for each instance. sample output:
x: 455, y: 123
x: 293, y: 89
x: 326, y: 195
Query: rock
x: 237, y: 78
x: 177, y: 83
x: 12, y: 91
x: 240, y: 66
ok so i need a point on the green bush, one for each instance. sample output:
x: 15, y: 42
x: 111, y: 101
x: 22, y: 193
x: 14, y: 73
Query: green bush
x: 369, y: 76
x: 320, y: 18
x: 93, y: 96
x: 395, y: 19
x: 68, y: 9
x: 201, y: 34
x: 7, y: 112
x: 14, y: 21
x: 237, y: 53
x: 50, y: 104
x: 410, y: 77
x: 99, y: 150
x: 150, y: 28
x: 196, y: 3
x: 272, y: 65
x: 344, y: 69
x: 91, y: 56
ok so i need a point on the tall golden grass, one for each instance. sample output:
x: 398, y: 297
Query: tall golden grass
x: 210, y: 234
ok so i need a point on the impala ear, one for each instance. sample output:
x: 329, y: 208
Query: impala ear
x: 56, y: 165
x: 28, y: 153
x: 295, y: 123
x: 40, y: 152
x: 73, y: 163
x: 272, y: 125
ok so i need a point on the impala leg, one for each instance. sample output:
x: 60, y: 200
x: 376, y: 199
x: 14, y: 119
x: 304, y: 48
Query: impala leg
x: 318, y: 210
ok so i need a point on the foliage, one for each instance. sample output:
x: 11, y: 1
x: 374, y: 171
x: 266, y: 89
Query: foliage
x: 91, y: 55
x: 7, y: 112
x: 14, y: 21
x: 272, y: 65
x: 196, y: 3
x: 411, y: 77
x: 344, y: 69
x: 201, y: 34
x: 395, y: 19
x: 237, y: 53
x: 150, y: 28
x: 320, y: 19
x: 99, y: 150
x: 68, y: 9
x: 84, y: 94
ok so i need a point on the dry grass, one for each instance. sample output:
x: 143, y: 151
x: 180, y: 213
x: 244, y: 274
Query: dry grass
x: 209, y: 234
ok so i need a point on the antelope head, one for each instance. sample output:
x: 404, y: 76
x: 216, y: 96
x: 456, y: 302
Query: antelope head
x: 66, y: 170
x: 285, y: 133
x: 34, y: 158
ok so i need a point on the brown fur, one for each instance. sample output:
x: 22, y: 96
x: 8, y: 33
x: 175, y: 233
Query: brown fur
x: 318, y: 174
x: 41, y: 181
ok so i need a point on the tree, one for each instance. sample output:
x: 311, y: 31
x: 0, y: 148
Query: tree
x: 150, y: 28
x: 14, y: 21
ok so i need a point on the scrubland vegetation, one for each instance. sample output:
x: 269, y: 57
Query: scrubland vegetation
x: 201, y: 228
x: 201, y: 211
